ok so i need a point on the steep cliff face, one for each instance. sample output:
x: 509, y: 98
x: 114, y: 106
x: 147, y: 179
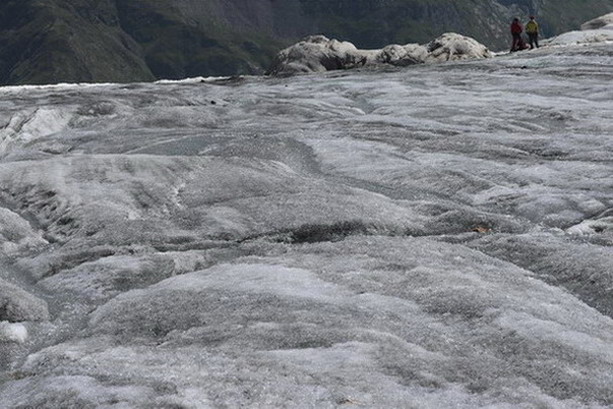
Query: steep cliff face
x: 46, y: 41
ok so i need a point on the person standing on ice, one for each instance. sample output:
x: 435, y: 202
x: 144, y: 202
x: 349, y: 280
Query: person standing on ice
x: 532, y: 29
x: 516, y: 30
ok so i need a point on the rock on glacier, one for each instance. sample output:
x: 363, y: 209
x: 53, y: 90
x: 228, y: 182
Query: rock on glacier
x: 318, y: 54
x: 453, y: 46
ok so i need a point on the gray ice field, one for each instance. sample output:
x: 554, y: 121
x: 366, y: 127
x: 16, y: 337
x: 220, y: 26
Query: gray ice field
x: 437, y: 236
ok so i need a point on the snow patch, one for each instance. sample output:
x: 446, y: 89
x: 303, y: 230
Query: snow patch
x: 13, y: 332
x: 193, y: 80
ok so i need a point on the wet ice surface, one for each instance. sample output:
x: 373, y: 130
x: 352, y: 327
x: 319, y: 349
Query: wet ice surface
x: 430, y: 237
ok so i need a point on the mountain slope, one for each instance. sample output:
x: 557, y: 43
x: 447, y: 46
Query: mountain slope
x: 46, y: 41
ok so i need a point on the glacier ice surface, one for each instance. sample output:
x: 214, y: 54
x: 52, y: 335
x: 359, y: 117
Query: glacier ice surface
x: 425, y: 237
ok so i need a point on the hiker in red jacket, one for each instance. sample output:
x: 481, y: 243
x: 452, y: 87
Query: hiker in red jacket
x: 516, y: 30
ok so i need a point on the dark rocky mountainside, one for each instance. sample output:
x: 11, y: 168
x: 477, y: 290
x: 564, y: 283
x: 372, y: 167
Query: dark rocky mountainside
x: 48, y: 41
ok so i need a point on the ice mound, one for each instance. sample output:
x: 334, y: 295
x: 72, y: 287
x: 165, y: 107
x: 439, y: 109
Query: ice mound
x: 16, y: 234
x: 598, y: 30
x: 375, y: 320
x: 318, y: 54
x: 30, y: 125
x: 603, y: 224
x: 602, y: 35
x: 598, y: 22
x: 18, y: 305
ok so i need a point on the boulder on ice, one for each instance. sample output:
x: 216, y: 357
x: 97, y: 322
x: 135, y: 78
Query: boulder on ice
x: 402, y: 55
x: 318, y: 54
x: 453, y: 46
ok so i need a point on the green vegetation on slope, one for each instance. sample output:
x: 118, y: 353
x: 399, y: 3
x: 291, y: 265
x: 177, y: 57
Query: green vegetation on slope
x: 48, y: 41
x: 175, y: 48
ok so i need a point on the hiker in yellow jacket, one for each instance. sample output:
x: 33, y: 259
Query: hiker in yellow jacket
x: 532, y: 29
